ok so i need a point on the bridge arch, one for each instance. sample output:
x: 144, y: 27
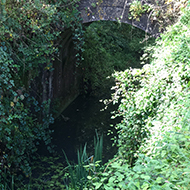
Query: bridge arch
x: 114, y: 10
x: 66, y: 77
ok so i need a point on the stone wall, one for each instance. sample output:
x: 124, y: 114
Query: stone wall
x: 114, y: 10
x: 66, y: 81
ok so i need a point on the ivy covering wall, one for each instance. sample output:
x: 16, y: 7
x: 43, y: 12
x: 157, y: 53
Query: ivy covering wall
x: 29, y: 43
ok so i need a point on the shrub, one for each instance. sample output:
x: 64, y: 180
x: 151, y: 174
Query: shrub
x: 29, y: 44
x: 154, y: 133
x: 110, y: 46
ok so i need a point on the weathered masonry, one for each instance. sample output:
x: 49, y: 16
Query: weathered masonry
x: 114, y: 10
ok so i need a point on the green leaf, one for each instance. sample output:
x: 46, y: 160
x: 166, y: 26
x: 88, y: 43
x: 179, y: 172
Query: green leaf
x: 159, y: 179
x: 145, y: 186
x: 97, y: 185
x: 146, y: 177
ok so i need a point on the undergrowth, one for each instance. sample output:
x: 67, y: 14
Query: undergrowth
x: 154, y: 145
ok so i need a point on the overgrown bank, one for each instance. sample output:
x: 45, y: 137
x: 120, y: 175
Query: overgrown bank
x: 155, y: 129
x: 154, y: 134
x: 29, y: 44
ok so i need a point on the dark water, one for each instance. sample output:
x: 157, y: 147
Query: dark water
x: 78, y: 124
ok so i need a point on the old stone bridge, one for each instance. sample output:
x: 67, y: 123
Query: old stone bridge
x: 115, y: 10
x: 66, y: 80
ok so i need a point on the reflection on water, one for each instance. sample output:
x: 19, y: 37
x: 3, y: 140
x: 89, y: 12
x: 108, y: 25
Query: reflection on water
x: 77, y: 125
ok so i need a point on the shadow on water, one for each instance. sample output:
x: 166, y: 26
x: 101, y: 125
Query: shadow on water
x: 78, y: 124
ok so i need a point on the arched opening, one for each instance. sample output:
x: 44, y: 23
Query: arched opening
x: 109, y: 46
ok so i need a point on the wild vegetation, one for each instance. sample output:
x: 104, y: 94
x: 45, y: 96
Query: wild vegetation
x: 29, y: 42
x: 110, y: 46
x: 154, y: 101
x: 153, y: 136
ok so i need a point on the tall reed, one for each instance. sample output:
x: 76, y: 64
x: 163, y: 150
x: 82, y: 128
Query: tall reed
x: 78, y: 173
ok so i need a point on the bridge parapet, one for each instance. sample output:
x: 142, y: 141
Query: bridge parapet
x: 114, y: 10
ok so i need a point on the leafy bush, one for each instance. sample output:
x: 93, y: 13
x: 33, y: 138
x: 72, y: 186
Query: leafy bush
x: 154, y: 145
x: 29, y: 34
x: 110, y: 46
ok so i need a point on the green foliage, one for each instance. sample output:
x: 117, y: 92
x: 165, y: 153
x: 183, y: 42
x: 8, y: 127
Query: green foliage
x: 153, y: 136
x: 79, y: 175
x: 134, y: 110
x: 53, y: 173
x: 109, y: 46
x: 164, y: 13
x: 154, y: 151
x: 137, y: 9
x: 29, y: 34
x: 48, y: 173
x: 93, y: 5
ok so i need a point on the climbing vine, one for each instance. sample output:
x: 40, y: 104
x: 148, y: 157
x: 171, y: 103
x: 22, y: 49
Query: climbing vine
x: 29, y: 43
